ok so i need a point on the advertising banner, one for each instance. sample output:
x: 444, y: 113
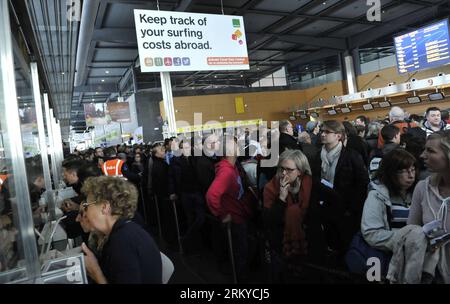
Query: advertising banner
x: 119, y: 111
x: 138, y: 135
x: 173, y: 41
x: 95, y: 114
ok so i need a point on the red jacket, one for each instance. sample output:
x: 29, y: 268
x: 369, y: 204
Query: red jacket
x: 225, y: 195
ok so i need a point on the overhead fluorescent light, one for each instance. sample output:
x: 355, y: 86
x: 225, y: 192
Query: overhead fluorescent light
x: 436, y: 96
x: 332, y: 112
x: 314, y: 115
x: 384, y: 104
x: 346, y: 110
x: 368, y: 107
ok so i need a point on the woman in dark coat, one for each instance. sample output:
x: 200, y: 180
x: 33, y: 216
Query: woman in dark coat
x: 129, y: 255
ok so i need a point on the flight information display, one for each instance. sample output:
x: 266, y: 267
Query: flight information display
x: 423, y: 48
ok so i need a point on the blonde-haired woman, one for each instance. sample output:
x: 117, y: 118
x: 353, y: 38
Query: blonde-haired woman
x: 431, y: 198
x: 129, y: 256
x: 286, y: 200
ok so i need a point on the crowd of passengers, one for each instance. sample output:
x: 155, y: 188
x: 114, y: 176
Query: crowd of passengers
x: 338, y: 194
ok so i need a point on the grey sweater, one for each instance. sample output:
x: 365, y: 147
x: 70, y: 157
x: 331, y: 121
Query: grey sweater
x: 425, y: 205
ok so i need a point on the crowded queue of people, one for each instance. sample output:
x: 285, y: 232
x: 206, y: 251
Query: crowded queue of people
x: 333, y: 189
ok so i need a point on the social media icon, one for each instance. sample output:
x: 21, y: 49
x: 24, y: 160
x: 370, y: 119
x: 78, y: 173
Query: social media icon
x: 148, y: 61
x: 167, y: 61
x: 186, y: 61
x: 158, y: 61
x: 177, y: 61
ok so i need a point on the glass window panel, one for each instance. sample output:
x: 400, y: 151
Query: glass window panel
x: 18, y: 255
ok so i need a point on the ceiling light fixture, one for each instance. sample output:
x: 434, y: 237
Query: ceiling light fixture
x: 107, y: 72
x: 103, y: 80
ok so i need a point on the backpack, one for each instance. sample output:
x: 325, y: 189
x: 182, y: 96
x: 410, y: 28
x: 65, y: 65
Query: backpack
x: 360, y: 252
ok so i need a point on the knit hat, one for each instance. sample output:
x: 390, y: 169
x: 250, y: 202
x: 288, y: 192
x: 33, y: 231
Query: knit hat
x: 311, y: 125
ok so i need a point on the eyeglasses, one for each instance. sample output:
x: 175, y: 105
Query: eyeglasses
x: 85, y: 205
x: 288, y: 170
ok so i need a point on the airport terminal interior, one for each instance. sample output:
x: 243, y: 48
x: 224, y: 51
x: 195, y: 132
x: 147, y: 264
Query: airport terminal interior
x: 224, y: 142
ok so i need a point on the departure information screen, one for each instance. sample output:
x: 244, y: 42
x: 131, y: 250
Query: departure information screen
x: 423, y: 48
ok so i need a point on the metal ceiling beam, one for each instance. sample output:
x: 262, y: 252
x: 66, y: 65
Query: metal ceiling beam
x: 330, y: 9
x: 362, y: 17
x: 101, y: 88
x: 325, y: 42
x: 393, y: 26
x: 249, y: 5
x: 140, y: 2
x: 313, y: 56
x: 184, y: 5
x: 422, y: 3
x: 88, y: 17
x: 294, y: 14
x: 124, y: 64
x: 368, y: 36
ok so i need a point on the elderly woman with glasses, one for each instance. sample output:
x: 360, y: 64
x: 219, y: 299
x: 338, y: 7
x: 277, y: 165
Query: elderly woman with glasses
x: 286, y: 200
x: 129, y: 254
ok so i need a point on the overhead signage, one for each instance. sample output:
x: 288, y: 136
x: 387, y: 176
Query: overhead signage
x: 422, y: 84
x: 393, y: 89
x: 423, y: 48
x: 173, y: 41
